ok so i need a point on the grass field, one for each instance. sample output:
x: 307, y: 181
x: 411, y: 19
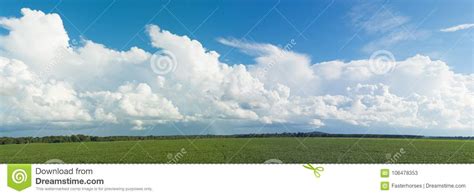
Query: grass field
x: 247, y: 150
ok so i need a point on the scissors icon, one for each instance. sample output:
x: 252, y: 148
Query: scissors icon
x: 315, y: 170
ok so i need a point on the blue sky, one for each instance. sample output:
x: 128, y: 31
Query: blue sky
x: 330, y: 36
x: 231, y: 72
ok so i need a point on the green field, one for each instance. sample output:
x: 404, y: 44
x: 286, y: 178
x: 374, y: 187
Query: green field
x: 246, y: 150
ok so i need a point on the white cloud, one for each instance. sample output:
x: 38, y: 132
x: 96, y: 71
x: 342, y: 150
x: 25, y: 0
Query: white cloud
x: 133, y: 100
x: 416, y: 88
x: 278, y: 66
x: 316, y: 123
x: 457, y: 28
x: 217, y: 89
x: 35, y: 38
x: 137, y: 125
x: 92, y: 84
x: 35, y: 101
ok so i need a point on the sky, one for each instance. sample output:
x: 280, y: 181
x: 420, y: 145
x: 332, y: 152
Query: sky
x: 123, y: 67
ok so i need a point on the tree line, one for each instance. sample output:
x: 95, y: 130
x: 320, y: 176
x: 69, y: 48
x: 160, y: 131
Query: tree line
x: 74, y: 138
x: 88, y: 138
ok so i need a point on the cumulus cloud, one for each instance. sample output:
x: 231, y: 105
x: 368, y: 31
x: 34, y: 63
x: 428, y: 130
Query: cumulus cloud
x: 34, y: 38
x: 457, y: 28
x: 278, y: 66
x: 91, y: 84
x: 34, y: 100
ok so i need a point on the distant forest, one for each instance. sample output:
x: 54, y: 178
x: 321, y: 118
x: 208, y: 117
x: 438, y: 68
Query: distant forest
x: 87, y: 138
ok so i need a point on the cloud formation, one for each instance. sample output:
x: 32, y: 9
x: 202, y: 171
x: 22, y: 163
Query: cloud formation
x: 49, y: 80
x: 457, y: 28
x: 388, y: 26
